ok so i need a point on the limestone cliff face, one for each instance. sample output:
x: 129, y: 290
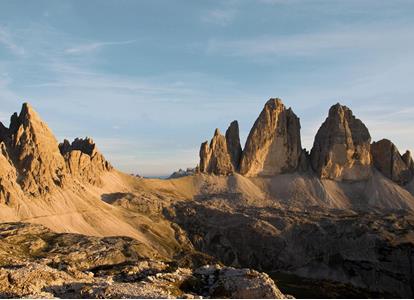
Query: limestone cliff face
x: 388, y: 160
x: 222, y: 156
x: 33, y: 164
x: 9, y: 189
x: 233, y: 144
x: 274, y: 144
x: 35, y: 153
x: 84, y: 161
x: 341, y: 150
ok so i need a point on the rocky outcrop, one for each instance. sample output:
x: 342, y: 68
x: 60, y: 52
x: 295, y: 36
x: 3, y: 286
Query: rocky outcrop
x: 233, y: 144
x: 78, y: 266
x: 183, y: 173
x: 341, y: 150
x: 84, y: 161
x: 32, y: 162
x: 9, y: 189
x: 35, y: 153
x: 224, y: 282
x: 388, y: 160
x: 274, y: 144
x: 367, y: 251
x: 221, y: 156
x: 408, y: 160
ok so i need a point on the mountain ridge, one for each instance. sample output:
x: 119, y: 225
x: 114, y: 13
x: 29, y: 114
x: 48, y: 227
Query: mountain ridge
x: 276, y: 217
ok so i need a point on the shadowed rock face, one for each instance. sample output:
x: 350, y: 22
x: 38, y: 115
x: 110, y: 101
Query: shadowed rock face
x: 222, y: 155
x: 341, y: 150
x: 370, y: 251
x: 388, y: 160
x: 273, y: 145
x: 408, y: 159
x: 9, y: 189
x: 233, y: 144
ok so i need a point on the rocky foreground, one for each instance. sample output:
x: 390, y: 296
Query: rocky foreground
x: 37, y: 263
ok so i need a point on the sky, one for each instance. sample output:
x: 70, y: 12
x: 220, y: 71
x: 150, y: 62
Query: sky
x: 150, y: 80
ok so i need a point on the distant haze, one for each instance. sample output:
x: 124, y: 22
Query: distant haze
x: 150, y: 80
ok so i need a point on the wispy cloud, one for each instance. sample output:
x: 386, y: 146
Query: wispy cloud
x: 222, y: 17
x: 8, y: 41
x: 314, y: 43
x: 277, y: 1
x: 94, y: 46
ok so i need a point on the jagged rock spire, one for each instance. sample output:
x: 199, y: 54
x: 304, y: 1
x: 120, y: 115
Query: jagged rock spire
x: 408, y: 160
x: 233, y: 144
x: 388, y: 160
x: 341, y: 150
x: 32, y: 163
x: 35, y: 153
x: 221, y: 156
x: 274, y: 144
x: 84, y: 161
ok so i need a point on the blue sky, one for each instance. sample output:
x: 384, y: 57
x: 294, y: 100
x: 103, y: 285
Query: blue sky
x: 150, y: 80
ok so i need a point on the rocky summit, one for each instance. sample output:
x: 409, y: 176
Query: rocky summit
x: 269, y: 220
x: 341, y: 150
x: 83, y: 160
x: 388, y: 160
x: 222, y: 155
x: 34, y: 152
x: 273, y: 145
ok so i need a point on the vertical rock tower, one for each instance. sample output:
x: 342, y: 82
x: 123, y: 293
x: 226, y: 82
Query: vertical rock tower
x: 388, y: 160
x: 222, y: 155
x: 341, y: 150
x: 274, y: 144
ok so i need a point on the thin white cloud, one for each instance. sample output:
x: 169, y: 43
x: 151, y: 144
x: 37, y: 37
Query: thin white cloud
x: 6, y: 39
x: 222, y: 17
x: 315, y: 43
x: 94, y: 46
x: 277, y: 1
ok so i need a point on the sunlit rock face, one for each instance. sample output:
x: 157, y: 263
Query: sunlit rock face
x: 388, y: 160
x: 84, y: 161
x: 341, y: 150
x: 222, y: 155
x: 215, y: 157
x: 35, y: 153
x: 274, y: 145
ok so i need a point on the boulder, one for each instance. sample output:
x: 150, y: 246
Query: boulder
x: 388, y: 160
x: 274, y: 144
x: 341, y: 150
x: 227, y: 282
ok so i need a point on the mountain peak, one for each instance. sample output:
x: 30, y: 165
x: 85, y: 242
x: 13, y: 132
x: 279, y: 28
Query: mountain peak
x: 83, y: 160
x: 35, y: 153
x: 274, y: 102
x: 388, y: 160
x: 341, y: 149
x: 274, y: 144
x: 28, y: 113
